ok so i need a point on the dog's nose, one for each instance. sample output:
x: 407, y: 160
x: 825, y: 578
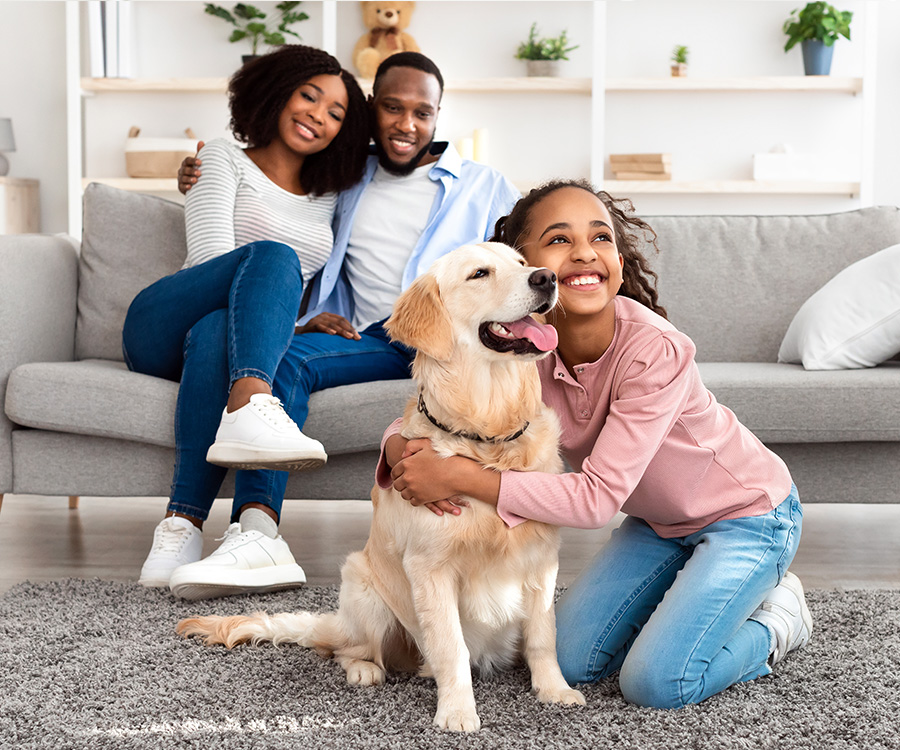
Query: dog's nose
x: 543, y: 279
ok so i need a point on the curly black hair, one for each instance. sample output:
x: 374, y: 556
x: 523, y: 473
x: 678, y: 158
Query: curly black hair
x: 639, y: 280
x: 259, y: 91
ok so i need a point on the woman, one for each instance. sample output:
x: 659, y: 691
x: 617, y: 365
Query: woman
x: 692, y: 593
x: 258, y: 229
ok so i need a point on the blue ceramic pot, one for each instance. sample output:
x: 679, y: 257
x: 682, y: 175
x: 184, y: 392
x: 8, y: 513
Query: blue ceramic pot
x: 816, y: 57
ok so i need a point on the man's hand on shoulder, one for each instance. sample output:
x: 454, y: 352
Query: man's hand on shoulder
x: 336, y: 325
x: 189, y: 171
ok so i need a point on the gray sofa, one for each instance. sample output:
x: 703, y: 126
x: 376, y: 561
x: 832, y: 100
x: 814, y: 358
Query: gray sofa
x: 76, y: 422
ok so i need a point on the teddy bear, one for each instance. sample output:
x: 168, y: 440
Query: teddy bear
x: 386, y: 21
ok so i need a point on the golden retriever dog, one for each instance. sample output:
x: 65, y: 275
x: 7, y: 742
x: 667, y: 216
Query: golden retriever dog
x: 444, y: 593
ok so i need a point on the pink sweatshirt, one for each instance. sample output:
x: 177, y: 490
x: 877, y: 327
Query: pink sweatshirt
x: 650, y: 439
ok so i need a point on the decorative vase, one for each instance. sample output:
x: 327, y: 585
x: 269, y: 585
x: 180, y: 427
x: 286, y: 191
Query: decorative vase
x: 816, y: 57
x: 679, y: 70
x: 542, y: 67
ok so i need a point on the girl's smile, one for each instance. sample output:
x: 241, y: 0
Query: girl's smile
x: 570, y: 232
x: 586, y: 282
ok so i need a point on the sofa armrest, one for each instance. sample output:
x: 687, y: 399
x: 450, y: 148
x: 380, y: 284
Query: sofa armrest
x: 38, y: 301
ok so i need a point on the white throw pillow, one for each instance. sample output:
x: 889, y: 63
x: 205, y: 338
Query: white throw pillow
x: 853, y: 321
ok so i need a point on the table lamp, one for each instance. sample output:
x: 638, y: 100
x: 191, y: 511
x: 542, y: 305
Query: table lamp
x: 7, y: 143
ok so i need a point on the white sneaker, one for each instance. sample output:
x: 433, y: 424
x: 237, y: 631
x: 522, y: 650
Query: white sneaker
x: 176, y: 542
x: 246, y: 562
x: 260, y: 435
x: 785, y: 613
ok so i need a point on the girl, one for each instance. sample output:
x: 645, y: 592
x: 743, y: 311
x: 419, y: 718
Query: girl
x: 692, y: 593
x: 222, y: 324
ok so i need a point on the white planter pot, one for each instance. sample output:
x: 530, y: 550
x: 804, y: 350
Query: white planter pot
x: 542, y: 67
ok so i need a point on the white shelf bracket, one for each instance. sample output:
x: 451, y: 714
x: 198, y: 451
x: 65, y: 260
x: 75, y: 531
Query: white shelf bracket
x: 598, y: 96
x: 75, y: 144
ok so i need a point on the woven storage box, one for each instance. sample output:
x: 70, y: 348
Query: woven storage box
x: 156, y: 157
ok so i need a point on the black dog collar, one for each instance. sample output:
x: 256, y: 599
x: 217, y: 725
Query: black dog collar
x: 468, y: 435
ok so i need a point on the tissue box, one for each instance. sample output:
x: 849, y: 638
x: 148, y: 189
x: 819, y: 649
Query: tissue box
x: 820, y: 167
x: 157, y: 157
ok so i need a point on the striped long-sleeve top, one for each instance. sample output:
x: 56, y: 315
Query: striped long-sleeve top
x: 234, y: 203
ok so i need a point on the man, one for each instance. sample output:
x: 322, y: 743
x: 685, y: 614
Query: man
x: 417, y: 201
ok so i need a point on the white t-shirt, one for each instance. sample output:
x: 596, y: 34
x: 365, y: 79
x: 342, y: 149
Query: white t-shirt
x: 393, y: 212
x: 235, y: 204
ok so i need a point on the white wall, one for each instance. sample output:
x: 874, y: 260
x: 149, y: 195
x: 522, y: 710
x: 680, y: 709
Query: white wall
x: 33, y: 95
x: 532, y: 138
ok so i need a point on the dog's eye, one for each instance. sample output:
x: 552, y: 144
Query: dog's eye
x: 480, y: 273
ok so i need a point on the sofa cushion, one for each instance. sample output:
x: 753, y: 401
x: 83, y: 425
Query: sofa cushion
x: 104, y: 399
x: 734, y: 283
x: 852, y: 321
x: 93, y: 397
x: 783, y: 403
x: 778, y: 402
x: 129, y: 241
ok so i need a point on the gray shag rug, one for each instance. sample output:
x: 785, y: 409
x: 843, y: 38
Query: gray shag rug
x: 97, y: 664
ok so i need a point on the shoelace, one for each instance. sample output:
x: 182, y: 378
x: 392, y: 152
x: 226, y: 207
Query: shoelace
x: 233, y: 534
x: 270, y: 409
x: 171, y: 540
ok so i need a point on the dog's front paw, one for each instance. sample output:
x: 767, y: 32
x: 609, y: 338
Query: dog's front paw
x: 457, y: 719
x: 364, y: 673
x: 567, y: 696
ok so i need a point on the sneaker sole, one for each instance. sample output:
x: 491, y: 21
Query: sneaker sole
x: 233, y: 456
x: 211, y: 584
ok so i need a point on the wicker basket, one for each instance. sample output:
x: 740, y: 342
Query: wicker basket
x: 157, y: 157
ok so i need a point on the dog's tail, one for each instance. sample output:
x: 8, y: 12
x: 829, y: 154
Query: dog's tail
x: 319, y: 631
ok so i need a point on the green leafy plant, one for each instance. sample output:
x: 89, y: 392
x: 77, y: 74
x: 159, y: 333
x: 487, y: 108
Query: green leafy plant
x: 680, y: 54
x: 550, y: 48
x: 819, y: 21
x: 250, y: 23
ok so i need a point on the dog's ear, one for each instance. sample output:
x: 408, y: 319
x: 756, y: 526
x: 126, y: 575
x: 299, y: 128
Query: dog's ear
x: 420, y: 319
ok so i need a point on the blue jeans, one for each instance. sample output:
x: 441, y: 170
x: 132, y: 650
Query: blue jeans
x: 207, y: 326
x: 671, y: 615
x: 314, y: 362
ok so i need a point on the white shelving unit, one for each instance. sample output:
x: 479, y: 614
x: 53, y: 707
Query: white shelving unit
x: 597, y: 88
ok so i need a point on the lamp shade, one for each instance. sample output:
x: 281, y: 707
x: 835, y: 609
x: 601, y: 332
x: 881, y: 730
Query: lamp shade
x: 7, y: 142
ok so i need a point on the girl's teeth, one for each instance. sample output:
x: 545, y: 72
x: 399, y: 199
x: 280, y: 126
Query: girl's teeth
x: 581, y: 281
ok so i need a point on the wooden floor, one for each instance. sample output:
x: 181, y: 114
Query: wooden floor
x: 843, y: 546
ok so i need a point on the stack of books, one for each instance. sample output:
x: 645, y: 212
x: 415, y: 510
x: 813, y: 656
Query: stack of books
x: 641, y: 166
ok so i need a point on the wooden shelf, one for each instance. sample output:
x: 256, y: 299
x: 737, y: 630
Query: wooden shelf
x: 136, y: 184
x: 711, y: 187
x: 154, y: 85
x: 833, y: 84
x: 219, y: 85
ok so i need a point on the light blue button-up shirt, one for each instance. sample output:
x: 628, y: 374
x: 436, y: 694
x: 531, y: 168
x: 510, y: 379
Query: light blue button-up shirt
x: 470, y: 199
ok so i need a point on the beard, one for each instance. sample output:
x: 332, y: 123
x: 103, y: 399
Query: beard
x: 397, y: 168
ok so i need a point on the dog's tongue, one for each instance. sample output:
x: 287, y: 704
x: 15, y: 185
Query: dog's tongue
x: 543, y: 336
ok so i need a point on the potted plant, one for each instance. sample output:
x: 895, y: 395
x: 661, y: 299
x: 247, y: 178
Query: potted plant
x: 250, y: 23
x: 542, y: 56
x: 817, y: 27
x: 679, y: 60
